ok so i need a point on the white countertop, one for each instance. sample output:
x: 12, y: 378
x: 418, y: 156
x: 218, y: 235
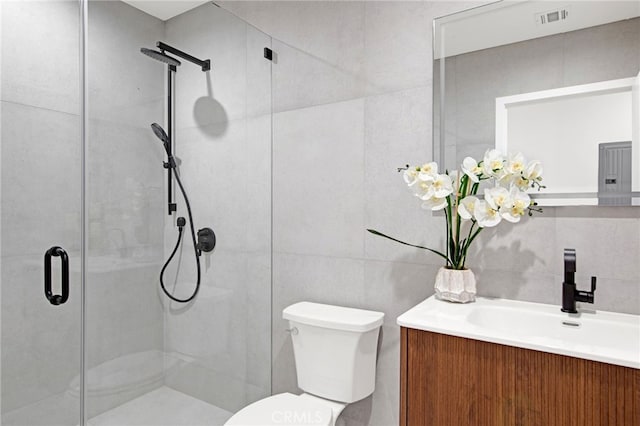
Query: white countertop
x: 595, y: 335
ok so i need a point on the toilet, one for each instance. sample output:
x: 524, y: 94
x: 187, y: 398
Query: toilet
x: 335, y: 353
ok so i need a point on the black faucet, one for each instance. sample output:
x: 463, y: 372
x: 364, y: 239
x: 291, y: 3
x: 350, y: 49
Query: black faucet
x: 570, y: 292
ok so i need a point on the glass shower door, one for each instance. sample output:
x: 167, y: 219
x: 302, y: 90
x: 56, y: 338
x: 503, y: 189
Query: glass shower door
x: 40, y: 213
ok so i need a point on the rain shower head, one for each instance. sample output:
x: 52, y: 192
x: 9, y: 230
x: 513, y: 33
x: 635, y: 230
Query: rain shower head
x: 162, y: 135
x: 160, y: 56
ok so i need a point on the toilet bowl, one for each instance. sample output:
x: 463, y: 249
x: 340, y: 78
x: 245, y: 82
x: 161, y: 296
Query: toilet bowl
x: 335, y: 352
x: 288, y: 409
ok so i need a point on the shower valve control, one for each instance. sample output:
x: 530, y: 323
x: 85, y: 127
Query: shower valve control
x: 206, y: 239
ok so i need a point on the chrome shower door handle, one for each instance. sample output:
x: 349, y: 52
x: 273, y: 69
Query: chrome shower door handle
x: 56, y: 299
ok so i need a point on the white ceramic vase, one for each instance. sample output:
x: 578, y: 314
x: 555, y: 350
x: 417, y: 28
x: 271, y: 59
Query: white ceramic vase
x: 456, y: 285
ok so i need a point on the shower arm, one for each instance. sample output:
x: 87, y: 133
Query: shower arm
x: 204, y: 64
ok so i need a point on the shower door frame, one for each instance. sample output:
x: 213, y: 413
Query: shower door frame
x: 84, y: 126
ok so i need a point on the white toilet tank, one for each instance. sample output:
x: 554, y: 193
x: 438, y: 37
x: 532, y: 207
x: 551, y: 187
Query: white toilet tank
x: 335, y: 349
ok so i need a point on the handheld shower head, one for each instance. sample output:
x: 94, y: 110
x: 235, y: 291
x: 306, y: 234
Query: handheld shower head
x: 160, y: 56
x: 162, y: 135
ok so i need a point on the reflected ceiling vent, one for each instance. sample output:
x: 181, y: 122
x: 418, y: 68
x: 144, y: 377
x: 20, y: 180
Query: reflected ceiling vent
x: 552, y: 16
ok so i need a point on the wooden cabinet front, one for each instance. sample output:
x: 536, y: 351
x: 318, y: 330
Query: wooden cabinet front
x: 448, y: 380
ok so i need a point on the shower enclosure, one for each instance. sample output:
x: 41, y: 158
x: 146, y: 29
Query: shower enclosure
x: 82, y: 179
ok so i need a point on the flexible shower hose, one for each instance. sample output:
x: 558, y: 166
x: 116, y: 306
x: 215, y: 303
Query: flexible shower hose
x: 175, y: 249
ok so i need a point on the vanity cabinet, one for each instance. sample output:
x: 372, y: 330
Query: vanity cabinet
x: 448, y: 380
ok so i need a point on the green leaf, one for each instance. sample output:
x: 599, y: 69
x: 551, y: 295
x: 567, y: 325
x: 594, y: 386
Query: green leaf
x: 380, y: 234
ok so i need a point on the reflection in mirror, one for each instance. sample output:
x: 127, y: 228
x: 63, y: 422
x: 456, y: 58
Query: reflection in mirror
x: 591, y: 125
x: 558, y: 83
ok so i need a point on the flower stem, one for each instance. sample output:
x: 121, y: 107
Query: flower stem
x: 462, y: 189
x: 449, y: 236
x: 470, y: 240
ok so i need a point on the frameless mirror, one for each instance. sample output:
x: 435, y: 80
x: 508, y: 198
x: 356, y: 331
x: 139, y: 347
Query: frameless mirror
x: 556, y: 81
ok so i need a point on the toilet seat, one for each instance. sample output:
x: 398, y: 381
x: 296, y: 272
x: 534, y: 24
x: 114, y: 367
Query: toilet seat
x: 285, y: 409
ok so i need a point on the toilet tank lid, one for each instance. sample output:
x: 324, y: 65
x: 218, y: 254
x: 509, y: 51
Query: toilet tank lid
x: 333, y: 317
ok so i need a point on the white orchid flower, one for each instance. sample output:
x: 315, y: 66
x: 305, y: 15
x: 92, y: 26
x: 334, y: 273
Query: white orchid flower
x: 435, y: 203
x: 423, y: 189
x: 534, y: 171
x: 518, y: 203
x: 442, y: 186
x: 470, y: 168
x: 521, y: 182
x: 493, y: 163
x: 496, y: 197
x: 486, y: 216
x: 516, y: 164
x: 411, y: 175
x: 513, y: 170
x: 467, y: 207
x: 428, y: 171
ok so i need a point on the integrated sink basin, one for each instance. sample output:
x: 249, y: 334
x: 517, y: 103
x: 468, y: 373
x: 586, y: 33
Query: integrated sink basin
x: 595, y: 335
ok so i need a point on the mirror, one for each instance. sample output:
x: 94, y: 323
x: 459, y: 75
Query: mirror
x: 555, y: 81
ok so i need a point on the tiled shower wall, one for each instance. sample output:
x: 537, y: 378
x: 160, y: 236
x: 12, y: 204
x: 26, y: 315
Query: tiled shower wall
x: 218, y: 347
x: 352, y: 99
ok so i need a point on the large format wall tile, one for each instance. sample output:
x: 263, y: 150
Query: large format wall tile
x: 219, y: 95
x: 318, y: 180
x: 333, y: 32
x: 398, y: 38
x: 125, y: 86
x: 40, y: 179
x: 40, y: 58
x: 606, y: 248
x: 611, y: 295
x: 397, y: 133
x: 302, y: 80
x: 523, y: 247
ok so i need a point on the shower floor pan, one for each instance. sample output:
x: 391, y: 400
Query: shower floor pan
x: 163, y: 407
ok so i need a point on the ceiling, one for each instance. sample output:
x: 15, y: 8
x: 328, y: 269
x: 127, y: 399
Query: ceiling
x: 165, y: 9
x: 512, y: 21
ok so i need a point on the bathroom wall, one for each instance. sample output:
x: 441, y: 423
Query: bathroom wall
x: 352, y: 101
x: 218, y: 347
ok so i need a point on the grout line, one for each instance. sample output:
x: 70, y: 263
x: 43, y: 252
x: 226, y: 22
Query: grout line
x: 73, y: 114
x: 356, y: 98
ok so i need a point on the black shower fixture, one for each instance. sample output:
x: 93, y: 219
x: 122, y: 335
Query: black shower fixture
x: 172, y: 67
x: 162, y: 135
x: 205, y: 239
x: 161, y: 56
